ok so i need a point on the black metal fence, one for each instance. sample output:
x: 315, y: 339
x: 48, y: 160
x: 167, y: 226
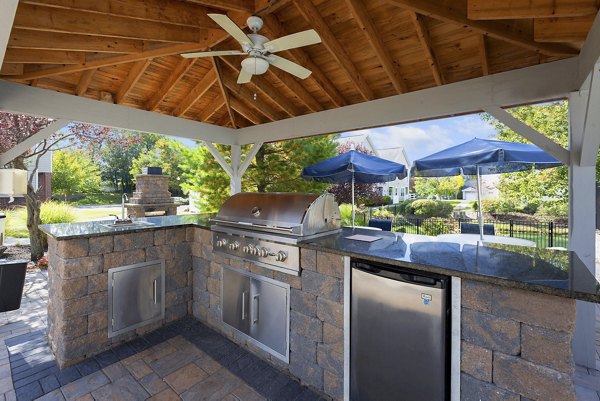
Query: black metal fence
x: 544, y: 234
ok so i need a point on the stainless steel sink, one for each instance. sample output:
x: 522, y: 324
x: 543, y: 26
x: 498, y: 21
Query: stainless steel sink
x: 133, y: 224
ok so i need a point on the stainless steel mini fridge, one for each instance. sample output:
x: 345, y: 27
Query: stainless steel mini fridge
x: 399, y: 334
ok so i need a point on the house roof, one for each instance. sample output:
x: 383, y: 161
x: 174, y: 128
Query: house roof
x: 127, y: 51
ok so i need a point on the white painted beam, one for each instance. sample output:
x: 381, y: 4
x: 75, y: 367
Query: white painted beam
x: 591, y: 123
x: 590, y: 52
x: 8, y: 9
x: 219, y: 158
x: 537, y: 138
x: 527, y: 85
x: 31, y: 141
x: 235, y: 179
x: 251, y: 154
x: 19, y: 98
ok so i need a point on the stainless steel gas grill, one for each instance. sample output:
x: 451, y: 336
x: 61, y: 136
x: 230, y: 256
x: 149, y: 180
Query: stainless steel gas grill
x: 266, y: 227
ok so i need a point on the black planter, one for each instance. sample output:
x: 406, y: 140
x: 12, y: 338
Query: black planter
x: 12, y: 280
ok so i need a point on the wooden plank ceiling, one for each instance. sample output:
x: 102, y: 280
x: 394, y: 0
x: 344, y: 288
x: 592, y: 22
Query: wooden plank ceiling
x: 127, y: 51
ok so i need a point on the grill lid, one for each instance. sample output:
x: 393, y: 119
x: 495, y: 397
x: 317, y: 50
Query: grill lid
x: 287, y: 212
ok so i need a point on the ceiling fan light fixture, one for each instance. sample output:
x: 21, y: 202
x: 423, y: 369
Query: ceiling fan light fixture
x: 255, y: 65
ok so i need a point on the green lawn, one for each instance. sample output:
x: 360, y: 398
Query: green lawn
x: 103, y: 198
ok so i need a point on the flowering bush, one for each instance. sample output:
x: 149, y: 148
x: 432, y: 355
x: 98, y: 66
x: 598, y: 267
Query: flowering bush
x: 42, y: 262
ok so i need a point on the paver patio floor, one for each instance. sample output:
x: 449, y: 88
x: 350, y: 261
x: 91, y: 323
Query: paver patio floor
x: 183, y: 361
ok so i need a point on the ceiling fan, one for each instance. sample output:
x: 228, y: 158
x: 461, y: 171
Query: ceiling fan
x: 260, y: 49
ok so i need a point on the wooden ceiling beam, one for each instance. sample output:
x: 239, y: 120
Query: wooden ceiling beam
x: 262, y: 7
x: 244, y: 93
x: 28, y: 39
x: 485, y: 68
x: 568, y: 29
x: 425, y: 40
x: 11, y: 69
x: 276, y: 29
x: 515, y: 9
x: 245, y: 111
x: 229, y: 5
x: 43, y: 57
x: 452, y: 13
x: 182, y: 67
x: 361, y: 16
x: 196, y: 93
x: 82, y: 22
x: 267, y: 89
x: 296, y: 88
x: 134, y: 75
x: 84, y: 82
x: 166, y: 12
x: 217, y: 68
x: 314, y: 18
x: 211, y: 109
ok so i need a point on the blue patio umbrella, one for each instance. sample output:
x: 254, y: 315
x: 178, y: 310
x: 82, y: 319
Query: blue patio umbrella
x: 483, y: 156
x: 354, y: 167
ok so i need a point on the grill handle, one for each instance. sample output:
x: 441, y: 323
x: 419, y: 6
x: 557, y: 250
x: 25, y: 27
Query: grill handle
x: 255, y: 226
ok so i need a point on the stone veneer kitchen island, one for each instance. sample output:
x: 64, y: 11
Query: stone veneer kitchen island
x: 517, y: 305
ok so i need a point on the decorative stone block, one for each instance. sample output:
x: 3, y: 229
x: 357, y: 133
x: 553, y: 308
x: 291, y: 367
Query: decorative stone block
x: 476, y: 361
x: 174, y: 280
x: 330, y: 264
x: 308, y: 259
x: 537, y: 309
x: 293, y: 281
x: 330, y: 312
x: 69, y: 308
x: 476, y: 295
x: 333, y: 384
x: 214, y: 286
x: 333, y: 337
x: 303, y: 346
x: 71, y: 328
x: 97, y: 321
x: 309, y: 327
x: 489, y: 331
x: 308, y: 372
x: 175, y: 235
x: 73, y: 248
x: 159, y: 252
x: 97, y: 283
x: 79, y: 267
x: 548, y: 348
x: 159, y: 237
x: 532, y: 381
x: 128, y: 242
x: 472, y: 389
x: 73, y: 288
x: 101, y: 245
x: 322, y: 285
x: 117, y: 259
x: 303, y: 302
x: 330, y: 360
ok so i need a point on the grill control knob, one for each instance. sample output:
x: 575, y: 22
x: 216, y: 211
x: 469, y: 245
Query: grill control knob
x: 234, y: 245
x: 246, y: 249
x: 254, y: 250
x: 263, y: 252
x: 281, y: 256
x: 221, y: 243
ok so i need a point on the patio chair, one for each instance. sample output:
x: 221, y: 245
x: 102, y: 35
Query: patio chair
x: 384, y: 224
x: 470, y: 228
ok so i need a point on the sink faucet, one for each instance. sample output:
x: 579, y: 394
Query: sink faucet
x: 124, y: 198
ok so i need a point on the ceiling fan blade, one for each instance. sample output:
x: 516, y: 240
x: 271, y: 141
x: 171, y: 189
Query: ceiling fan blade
x: 289, y: 66
x: 228, y: 25
x: 304, y: 38
x: 244, y: 77
x: 214, y: 54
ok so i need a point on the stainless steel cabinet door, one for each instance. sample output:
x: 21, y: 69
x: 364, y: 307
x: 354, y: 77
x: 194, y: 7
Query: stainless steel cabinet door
x: 136, y: 296
x: 236, y: 300
x: 268, y: 315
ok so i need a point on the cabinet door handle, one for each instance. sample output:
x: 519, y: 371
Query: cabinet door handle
x: 243, y: 305
x: 256, y: 309
x: 154, y: 292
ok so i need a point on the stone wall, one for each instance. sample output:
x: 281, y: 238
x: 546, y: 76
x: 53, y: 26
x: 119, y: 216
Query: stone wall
x: 316, y: 315
x: 516, y: 345
x: 78, y: 286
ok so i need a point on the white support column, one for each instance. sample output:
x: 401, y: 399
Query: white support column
x: 537, y: 138
x: 591, y: 126
x: 582, y: 226
x: 31, y: 141
x: 7, y: 15
x: 236, y: 170
x: 235, y: 179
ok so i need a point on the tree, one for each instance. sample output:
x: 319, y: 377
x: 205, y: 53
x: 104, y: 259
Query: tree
x: 442, y: 186
x: 116, y: 161
x: 362, y: 192
x: 166, y: 153
x: 276, y: 167
x: 74, y: 172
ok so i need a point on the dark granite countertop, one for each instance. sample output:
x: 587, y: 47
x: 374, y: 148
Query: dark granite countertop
x: 548, y: 271
x: 98, y: 228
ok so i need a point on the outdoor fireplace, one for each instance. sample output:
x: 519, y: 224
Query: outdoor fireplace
x: 151, y: 194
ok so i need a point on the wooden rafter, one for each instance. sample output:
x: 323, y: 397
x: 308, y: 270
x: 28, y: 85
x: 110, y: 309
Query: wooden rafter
x: 502, y: 9
x: 166, y: 12
x: 568, y: 29
x: 268, y: 90
x: 84, y: 82
x: 43, y: 57
x: 11, y: 69
x: 211, y: 109
x: 452, y: 13
x: 174, y: 77
x: 245, y: 111
x: 361, y: 16
x: 425, y: 40
x: 196, y: 93
x: 82, y: 22
x: 313, y: 17
x: 296, y: 88
x: 485, y: 68
x: 230, y: 5
x: 247, y: 96
x: 277, y: 30
x: 217, y: 68
x: 29, y: 39
x: 133, y: 77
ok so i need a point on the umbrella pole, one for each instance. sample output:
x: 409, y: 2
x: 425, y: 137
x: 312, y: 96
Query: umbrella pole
x: 353, y: 200
x: 479, y: 204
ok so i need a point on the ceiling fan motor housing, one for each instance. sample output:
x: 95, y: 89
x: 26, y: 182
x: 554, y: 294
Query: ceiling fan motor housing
x: 254, y: 23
